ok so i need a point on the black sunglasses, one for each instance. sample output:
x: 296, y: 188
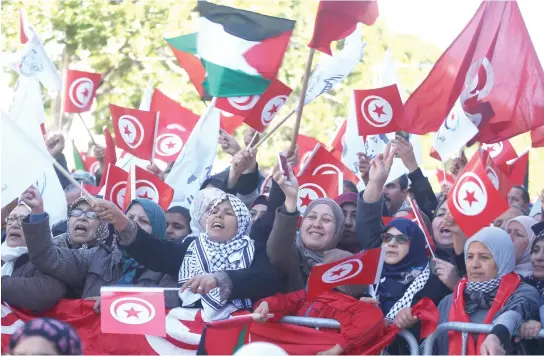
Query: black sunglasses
x: 89, y: 214
x: 400, y: 239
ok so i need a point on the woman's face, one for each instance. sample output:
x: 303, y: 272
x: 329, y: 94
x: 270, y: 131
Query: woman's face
x: 177, y: 226
x: 441, y: 235
x: 257, y: 211
x: 83, y: 229
x: 222, y: 224
x: 138, y: 215
x: 317, y: 229
x: 395, y: 251
x: 519, y: 238
x: 14, y: 232
x: 537, y: 259
x: 481, y: 266
x: 34, y: 345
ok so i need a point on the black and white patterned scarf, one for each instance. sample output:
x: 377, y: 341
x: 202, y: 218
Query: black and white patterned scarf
x: 480, y: 295
x: 406, y: 300
x: 537, y: 283
x: 207, y: 256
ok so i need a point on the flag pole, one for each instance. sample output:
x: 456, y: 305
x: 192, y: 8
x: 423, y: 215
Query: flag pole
x: 421, y: 226
x: 444, y: 172
x: 88, y: 131
x: 269, y: 133
x: 302, y: 98
x: 157, y: 117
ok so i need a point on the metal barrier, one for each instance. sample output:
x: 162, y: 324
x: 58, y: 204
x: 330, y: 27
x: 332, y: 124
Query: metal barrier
x: 464, y: 328
x: 333, y: 324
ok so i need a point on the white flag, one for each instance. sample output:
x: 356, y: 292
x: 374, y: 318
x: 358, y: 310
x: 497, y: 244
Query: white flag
x: 332, y: 70
x: 454, y: 133
x: 27, y: 111
x: 194, y: 163
x: 26, y: 28
x: 145, y: 103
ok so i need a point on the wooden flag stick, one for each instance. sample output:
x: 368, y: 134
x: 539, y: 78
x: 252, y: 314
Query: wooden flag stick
x: 301, y: 100
x: 88, y: 131
x: 269, y: 133
x: 157, y: 117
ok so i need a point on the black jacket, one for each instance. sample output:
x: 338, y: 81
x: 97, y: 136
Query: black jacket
x: 423, y: 192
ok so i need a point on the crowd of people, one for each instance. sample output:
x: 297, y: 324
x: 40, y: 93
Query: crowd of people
x: 244, y: 245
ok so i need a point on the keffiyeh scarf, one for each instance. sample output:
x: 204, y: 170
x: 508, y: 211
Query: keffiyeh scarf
x: 480, y: 295
x: 406, y: 300
x: 206, y: 256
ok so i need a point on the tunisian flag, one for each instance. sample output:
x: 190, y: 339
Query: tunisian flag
x: 306, y: 146
x: 337, y: 19
x: 268, y: 105
x: 379, y: 111
x: 80, y: 90
x: 493, y: 68
x: 313, y: 187
x: 364, y: 268
x: 142, y: 184
x: 501, y: 152
x: 337, y: 145
x: 110, y: 156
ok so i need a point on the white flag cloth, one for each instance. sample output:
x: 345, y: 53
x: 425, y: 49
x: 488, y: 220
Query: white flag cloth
x: 332, y: 70
x: 27, y: 112
x: 456, y: 130
x: 194, y: 163
x: 145, y: 103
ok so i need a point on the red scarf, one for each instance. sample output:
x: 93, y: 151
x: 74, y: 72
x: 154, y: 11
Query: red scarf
x: 509, y: 283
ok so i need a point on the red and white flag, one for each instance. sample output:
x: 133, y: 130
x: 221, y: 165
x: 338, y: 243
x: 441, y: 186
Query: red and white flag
x: 537, y: 137
x: 132, y: 310
x: 90, y: 162
x: 175, y: 126
x: 230, y: 122
x: 378, y: 110
x: 444, y: 178
x: 237, y: 105
x: 475, y: 201
x: 313, y: 187
x: 110, y: 156
x: 306, y: 146
x: 134, y: 130
x: 80, y: 90
x: 516, y: 169
x: 501, y: 152
x: 364, y: 268
x: 493, y: 68
x: 337, y: 145
x: 142, y: 184
x: 268, y: 105
x: 430, y: 246
x: 116, y: 184
x: 25, y: 28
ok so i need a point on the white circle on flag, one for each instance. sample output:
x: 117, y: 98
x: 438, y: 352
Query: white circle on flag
x: 376, y: 111
x: 493, y: 177
x: 117, y: 193
x: 494, y: 149
x: 307, y: 193
x: 81, y: 92
x: 470, y: 195
x: 342, y: 272
x: 132, y: 310
x: 271, y: 108
x: 243, y: 103
x: 326, y: 168
x: 131, y: 130
x: 147, y: 190
x: 94, y: 167
x: 168, y: 144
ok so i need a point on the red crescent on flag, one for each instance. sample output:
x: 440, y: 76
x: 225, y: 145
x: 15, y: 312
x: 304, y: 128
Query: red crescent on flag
x: 81, y: 92
x: 385, y: 107
x: 132, y: 310
x: 343, y: 271
x: 168, y: 144
x: 243, y: 103
x: 469, y: 195
x: 127, y: 124
x: 147, y: 190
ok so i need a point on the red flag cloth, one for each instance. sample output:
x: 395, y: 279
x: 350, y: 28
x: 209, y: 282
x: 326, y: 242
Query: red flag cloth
x: 493, y: 68
x: 130, y: 310
x: 268, y: 105
x: 175, y: 126
x: 225, y: 337
x: 313, y: 187
x: 430, y: 246
x: 499, y: 176
x: 434, y: 154
x: 516, y: 169
x: 323, y: 162
x: 194, y: 68
x: 306, y: 145
x: 24, y: 27
x: 116, y: 183
x: 337, y: 145
x: 364, y: 268
x: 110, y: 156
x: 474, y: 202
x: 148, y: 186
x: 337, y: 19
x: 92, y: 189
x: 90, y: 162
x: 501, y: 152
x: 379, y: 111
x: 444, y: 178
x: 134, y: 130
x: 537, y: 137
x: 230, y: 122
x: 237, y: 105
x: 130, y: 188
x: 80, y: 90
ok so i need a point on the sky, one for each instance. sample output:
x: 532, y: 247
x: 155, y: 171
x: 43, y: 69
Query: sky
x: 440, y: 21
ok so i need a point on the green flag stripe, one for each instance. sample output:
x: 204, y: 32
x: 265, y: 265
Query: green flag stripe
x: 241, y: 340
x: 185, y: 43
x: 225, y: 82
x: 78, y: 161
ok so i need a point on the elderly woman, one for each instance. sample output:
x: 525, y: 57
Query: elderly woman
x: 22, y: 284
x: 85, y: 230
x: 522, y: 236
x: 294, y: 254
x: 220, y: 270
x: 492, y: 293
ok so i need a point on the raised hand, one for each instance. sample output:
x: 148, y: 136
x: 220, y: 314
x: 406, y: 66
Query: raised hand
x: 156, y: 171
x: 228, y: 144
x: 55, y: 144
x: 364, y: 166
x: 100, y: 154
x: 110, y: 213
x: 33, y: 199
x: 289, y: 188
x: 243, y: 160
x: 381, y: 165
x: 405, y: 151
x: 250, y: 133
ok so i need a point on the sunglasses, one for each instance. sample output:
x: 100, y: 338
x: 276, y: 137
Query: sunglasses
x: 89, y: 214
x: 400, y: 239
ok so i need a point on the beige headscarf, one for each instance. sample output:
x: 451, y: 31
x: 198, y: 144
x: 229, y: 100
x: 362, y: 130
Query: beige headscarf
x: 524, y: 266
x: 200, y: 206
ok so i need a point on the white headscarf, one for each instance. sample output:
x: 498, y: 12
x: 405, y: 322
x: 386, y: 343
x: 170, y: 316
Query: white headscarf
x: 200, y: 206
x: 524, y: 266
x: 11, y: 254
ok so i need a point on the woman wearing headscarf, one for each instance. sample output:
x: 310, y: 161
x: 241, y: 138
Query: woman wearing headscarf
x: 200, y: 206
x: 45, y: 336
x: 87, y: 270
x: 492, y: 293
x: 178, y: 219
x: 221, y: 269
x: 85, y: 230
x: 292, y: 253
x: 522, y: 236
x: 23, y: 285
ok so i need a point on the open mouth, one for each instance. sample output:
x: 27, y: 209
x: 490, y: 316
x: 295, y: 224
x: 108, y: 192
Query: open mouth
x: 218, y: 225
x: 445, y: 231
x: 81, y: 228
x: 316, y: 234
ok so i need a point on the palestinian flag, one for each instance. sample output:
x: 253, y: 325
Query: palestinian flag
x: 225, y: 337
x: 78, y: 160
x: 240, y: 51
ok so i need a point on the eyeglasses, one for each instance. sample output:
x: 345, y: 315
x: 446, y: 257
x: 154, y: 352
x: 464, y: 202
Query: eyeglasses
x: 400, y: 239
x: 12, y: 219
x: 89, y: 214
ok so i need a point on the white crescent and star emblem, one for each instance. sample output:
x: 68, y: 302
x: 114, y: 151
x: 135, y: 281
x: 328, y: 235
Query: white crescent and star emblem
x: 470, y: 195
x: 243, y: 103
x: 131, y: 130
x: 307, y: 193
x: 271, y: 108
x: 132, y: 310
x: 80, y: 92
x: 376, y: 111
x: 494, y: 149
x: 326, y: 169
x: 168, y: 144
x: 147, y: 190
x: 480, y: 79
x: 493, y: 177
x: 343, y: 271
